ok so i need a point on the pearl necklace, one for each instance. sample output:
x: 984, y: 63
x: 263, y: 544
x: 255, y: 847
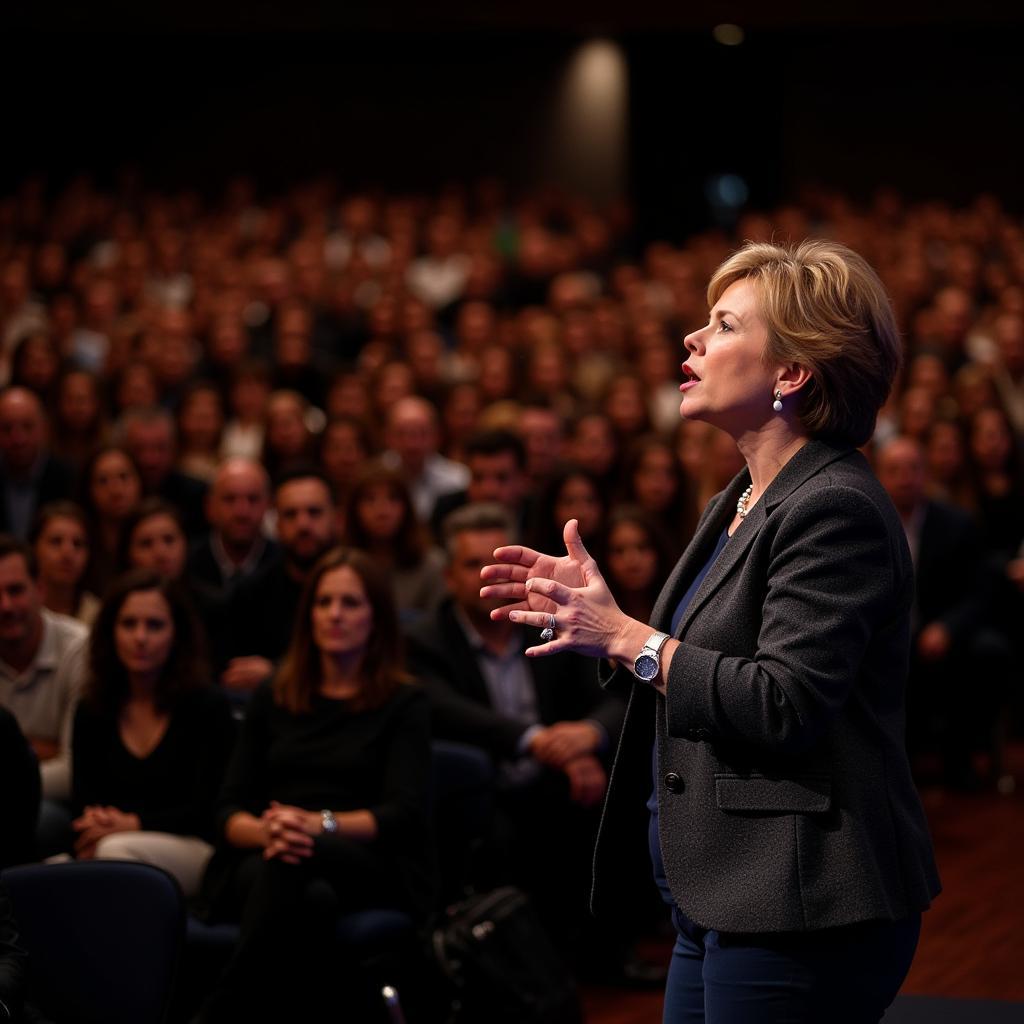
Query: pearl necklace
x: 741, y: 504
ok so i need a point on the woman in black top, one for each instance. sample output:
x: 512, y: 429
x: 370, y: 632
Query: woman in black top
x: 151, y: 737
x: 325, y: 806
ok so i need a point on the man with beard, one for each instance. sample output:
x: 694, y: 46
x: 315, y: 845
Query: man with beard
x: 263, y: 609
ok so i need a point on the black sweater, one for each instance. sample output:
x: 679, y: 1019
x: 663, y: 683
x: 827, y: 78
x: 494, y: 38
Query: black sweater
x: 337, y: 758
x: 174, y: 788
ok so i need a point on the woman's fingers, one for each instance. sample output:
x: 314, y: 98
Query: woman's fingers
x: 517, y: 554
x: 504, y: 573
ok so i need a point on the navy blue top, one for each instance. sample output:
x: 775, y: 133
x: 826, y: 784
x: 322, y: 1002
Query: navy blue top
x: 652, y: 804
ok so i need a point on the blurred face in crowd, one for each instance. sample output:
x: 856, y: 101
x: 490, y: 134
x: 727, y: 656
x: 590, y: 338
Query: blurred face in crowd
x: 151, y: 445
x: 632, y: 559
x: 654, y: 482
x: 900, y: 469
x: 158, y: 543
x: 342, y: 451
x: 577, y: 498
x: 541, y: 431
x: 991, y: 440
x: 945, y: 452
x: 594, y: 445
x: 496, y: 477
x: 469, y: 552
x: 413, y: 432
x: 78, y: 402
x: 238, y: 500
x: 20, y: 601
x: 22, y: 429
x: 114, y: 486
x: 287, y: 434
x: 144, y: 633
x: 202, y: 420
x: 380, y: 510
x: 342, y: 616
x: 305, y: 519
x: 62, y: 551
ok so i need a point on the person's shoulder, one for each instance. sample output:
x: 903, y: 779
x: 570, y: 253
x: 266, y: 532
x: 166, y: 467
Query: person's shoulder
x: 68, y: 632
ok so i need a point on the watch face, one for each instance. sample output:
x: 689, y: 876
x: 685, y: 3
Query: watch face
x: 646, y: 667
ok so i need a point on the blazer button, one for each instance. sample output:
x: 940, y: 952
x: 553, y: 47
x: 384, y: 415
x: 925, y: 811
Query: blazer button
x: 674, y: 782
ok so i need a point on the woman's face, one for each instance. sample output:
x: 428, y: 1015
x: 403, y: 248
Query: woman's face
x: 578, y: 499
x: 726, y: 382
x: 990, y: 440
x: 78, y: 403
x: 62, y: 551
x: 632, y: 560
x: 654, y: 482
x: 157, y: 543
x: 342, y: 453
x: 144, y: 632
x: 380, y: 511
x: 115, y: 485
x: 342, y: 617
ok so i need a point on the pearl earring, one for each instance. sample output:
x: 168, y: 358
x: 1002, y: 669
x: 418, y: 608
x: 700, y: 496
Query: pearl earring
x: 777, y: 404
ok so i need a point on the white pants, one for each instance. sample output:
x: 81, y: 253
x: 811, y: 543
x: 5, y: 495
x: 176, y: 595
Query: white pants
x: 184, y: 857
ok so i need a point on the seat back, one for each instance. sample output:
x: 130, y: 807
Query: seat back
x: 104, y: 938
x: 463, y: 784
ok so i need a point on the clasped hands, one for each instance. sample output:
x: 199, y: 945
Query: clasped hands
x: 97, y: 821
x: 288, y: 832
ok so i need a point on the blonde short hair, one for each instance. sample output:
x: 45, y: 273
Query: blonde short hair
x: 826, y: 310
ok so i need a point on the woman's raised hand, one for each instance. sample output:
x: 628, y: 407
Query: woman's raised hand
x: 570, y: 588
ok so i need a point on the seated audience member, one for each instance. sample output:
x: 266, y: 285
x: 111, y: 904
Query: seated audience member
x: 154, y: 538
x: 497, y: 473
x: 413, y: 437
x: 42, y: 665
x: 200, y: 426
x: 60, y: 543
x: 594, y: 445
x: 570, y: 493
x: 638, y: 558
x: 248, y: 394
x: 262, y: 609
x: 287, y: 441
x: 151, y: 736
x: 79, y: 426
x: 545, y: 721
x: 111, y: 490
x: 19, y: 794
x: 150, y: 438
x: 950, y: 641
x: 542, y: 430
x: 235, y: 547
x: 29, y: 475
x: 344, y: 449
x: 653, y: 479
x: 325, y: 805
x: 380, y: 520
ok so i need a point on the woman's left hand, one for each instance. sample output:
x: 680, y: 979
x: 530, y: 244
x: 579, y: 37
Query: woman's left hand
x: 98, y: 821
x: 586, y: 618
x: 290, y: 830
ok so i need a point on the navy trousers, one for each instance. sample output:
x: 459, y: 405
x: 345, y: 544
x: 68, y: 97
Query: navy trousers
x: 833, y: 976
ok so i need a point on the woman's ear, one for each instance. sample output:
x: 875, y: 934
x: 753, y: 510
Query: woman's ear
x: 792, y: 379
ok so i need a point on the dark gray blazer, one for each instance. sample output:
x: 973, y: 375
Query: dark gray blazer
x: 784, y: 790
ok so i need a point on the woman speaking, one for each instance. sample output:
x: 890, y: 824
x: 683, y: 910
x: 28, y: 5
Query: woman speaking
x: 786, y: 834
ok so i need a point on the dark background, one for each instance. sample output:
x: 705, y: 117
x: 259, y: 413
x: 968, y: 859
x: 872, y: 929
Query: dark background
x: 929, y: 98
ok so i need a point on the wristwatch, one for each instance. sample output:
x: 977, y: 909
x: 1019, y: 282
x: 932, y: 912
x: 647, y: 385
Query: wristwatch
x: 648, y: 661
x: 328, y: 822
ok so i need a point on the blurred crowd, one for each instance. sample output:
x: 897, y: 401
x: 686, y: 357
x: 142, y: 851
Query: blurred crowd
x: 220, y: 392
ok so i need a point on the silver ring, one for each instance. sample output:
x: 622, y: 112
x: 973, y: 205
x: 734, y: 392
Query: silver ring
x: 548, y: 633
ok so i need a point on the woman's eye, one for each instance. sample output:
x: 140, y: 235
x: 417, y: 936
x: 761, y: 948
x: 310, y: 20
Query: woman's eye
x: 724, y: 326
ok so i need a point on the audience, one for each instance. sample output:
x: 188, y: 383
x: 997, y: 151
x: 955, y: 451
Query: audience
x: 325, y: 804
x: 151, y: 735
x: 494, y: 349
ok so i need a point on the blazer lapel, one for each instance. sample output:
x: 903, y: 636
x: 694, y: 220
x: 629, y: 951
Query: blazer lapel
x: 811, y: 459
x: 719, y: 514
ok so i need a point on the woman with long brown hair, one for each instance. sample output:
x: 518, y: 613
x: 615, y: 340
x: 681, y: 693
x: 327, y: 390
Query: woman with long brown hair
x: 325, y: 805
